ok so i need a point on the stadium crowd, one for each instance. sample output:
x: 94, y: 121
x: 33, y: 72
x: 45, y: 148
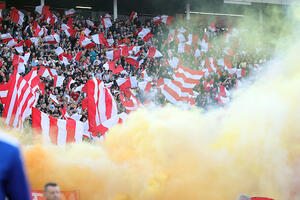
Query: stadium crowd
x: 203, y: 47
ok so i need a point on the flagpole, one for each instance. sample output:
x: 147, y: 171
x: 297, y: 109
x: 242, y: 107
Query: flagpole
x: 42, y: 2
x: 188, y: 10
x: 115, y: 9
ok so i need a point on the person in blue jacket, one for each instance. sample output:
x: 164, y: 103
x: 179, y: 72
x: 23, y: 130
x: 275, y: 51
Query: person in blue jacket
x: 13, y: 182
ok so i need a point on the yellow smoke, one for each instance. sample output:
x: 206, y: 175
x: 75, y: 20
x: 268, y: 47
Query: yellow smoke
x: 169, y: 153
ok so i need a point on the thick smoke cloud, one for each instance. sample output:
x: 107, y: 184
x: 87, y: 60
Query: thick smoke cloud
x: 169, y: 153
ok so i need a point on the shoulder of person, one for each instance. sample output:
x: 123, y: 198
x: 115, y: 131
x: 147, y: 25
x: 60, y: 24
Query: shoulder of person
x: 8, y: 140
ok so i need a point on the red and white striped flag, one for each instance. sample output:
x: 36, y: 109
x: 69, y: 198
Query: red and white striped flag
x: 39, y: 32
x: 114, y: 54
x: 51, y: 19
x: 167, y: 19
x: 108, y: 124
x: 30, y: 41
x: 124, y: 50
x: 126, y: 83
x: 58, y: 81
x: 131, y: 104
x: 42, y: 10
x: 106, y: 22
x: 19, y: 102
x: 3, y: 92
x: 33, y: 79
x: 17, y: 16
x: 173, y: 92
x: 69, y: 83
x: 154, y: 53
x: 68, y: 29
x: 57, y: 131
x: 43, y: 72
x: 87, y: 32
x: 6, y: 37
x: 188, y: 77
x: 90, y: 23
x: 87, y: 43
x: 50, y: 39
x: 145, y: 34
x: 131, y: 60
x: 54, y: 99
x: 19, y: 47
x: 157, y: 20
x: 12, y: 43
x: 100, y: 39
x: 133, y: 15
x: 69, y: 12
x: 145, y: 86
x: 101, y: 104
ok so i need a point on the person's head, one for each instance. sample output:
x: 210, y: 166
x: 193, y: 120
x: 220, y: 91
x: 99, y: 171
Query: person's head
x: 51, y: 191
x: 243, y: 197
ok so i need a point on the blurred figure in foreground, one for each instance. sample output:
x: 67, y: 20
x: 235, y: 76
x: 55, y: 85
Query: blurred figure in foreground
x: 13, y: 183
x: 51, y: 191
x: 246, y: 197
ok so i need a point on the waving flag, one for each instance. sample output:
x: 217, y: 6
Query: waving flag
x: 100, y: 39
x: 3, y: 92
x: 57, y: 131
x: 69, y: 12
x: 126, y: 83
x: 157, y: 20
x: 133, y: 15
x: 42, y: 10
x: 101, y: 104
x: 19, y: 102
x: 131, y: 104
x: 33, y: 79
x: 108, y: 124
x: 12, y: 43
x: 87, y: 43
x: 17, y: 16
x: 114, y: 54
x: 19, y: 47
x: 145, y: 34
x: 188, y: 77
x: 90, y: 23
x: 6, y: 37
x: 154, y: 53
x: 106, y: 22
x: 167, y: 19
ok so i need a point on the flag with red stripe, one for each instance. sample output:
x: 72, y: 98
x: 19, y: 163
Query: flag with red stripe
x: 19, y: 102
x: 101, y: 104
x: 57, y: 131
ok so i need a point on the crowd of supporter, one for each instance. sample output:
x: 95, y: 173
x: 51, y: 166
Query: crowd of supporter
x: 92, y: 61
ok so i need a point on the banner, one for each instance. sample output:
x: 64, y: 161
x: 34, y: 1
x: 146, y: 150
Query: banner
x: 69, y: 195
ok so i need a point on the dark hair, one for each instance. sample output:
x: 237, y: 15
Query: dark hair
x: 51, y: 184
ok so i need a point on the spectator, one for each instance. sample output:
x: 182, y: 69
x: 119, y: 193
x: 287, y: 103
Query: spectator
x: 51, y: 191
x: 13, y: 183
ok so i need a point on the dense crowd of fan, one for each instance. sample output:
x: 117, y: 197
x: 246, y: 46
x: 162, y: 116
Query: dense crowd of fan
x: 92, y: 61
